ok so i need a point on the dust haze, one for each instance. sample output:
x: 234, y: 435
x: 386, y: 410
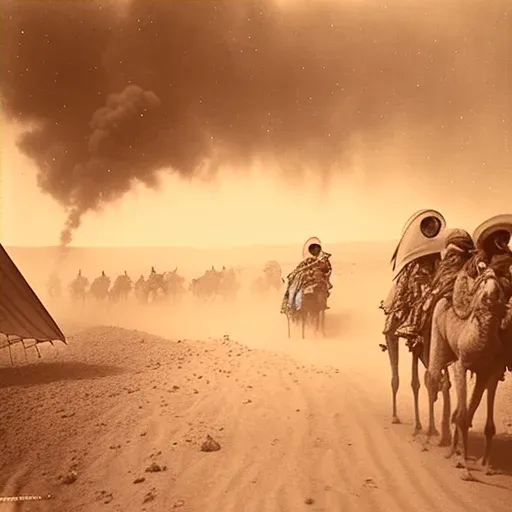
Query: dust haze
x: 226, y: 133
x: 316, y: 407
x: 127, y: 90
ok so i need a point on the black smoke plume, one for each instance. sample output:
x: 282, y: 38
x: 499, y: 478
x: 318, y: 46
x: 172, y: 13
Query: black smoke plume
x: 111, y: 93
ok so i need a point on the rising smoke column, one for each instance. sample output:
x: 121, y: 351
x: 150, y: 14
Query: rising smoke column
x: 114, y: 92
x: 116, y: 147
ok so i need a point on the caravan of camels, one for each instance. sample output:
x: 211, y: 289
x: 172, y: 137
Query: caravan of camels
x: 304, y: 302
x: 166, y: 286
x: 450, y: 300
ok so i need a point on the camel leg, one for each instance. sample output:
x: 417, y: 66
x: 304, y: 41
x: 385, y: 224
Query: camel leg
x: 433, y: 389
x: 461, y: 419
x: 289, y: 326
x: 446, y: 436
x: 455, y: 441
x: 439, y: 356
x: 415, y: 385
x: 474, y: 402
x: 392, y: 344
x: 303, y: 321
x: 476, y: 396
x: 490, y: 427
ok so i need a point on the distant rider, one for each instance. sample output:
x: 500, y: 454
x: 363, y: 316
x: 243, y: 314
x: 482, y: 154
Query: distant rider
x: 313, y: 270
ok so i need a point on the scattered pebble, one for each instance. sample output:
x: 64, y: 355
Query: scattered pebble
x: 210, y: 445
x: 150, y: 496
x: 70, y: 478
x: 370, y: 482
x: 155, y: 468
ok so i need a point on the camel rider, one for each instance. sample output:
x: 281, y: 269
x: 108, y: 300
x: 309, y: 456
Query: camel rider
x: 459, y: 248
x: 492, y: 250
x: 313, y: 269
x: 492, y: 239
x: 412, y: 282
x: 324, y: 268
x: 414, y: 263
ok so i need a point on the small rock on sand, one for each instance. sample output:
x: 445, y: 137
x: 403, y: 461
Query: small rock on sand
x: 155, y: 468
x: 210, y: 445
x: 70, y: 478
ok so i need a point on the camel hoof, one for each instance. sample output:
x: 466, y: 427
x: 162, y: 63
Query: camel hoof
x: 418, y: 430
x: 468, y: 477
x: 396, y: 421
x: 432, y: 432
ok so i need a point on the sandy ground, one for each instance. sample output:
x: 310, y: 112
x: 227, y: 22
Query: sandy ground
x: 301, y: 424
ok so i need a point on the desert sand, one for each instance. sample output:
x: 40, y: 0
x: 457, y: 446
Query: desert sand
x: 116, y: 419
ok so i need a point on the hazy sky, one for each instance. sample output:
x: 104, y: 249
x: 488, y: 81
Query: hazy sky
x: 334, y: 119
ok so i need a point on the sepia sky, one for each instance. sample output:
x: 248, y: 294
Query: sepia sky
x: 230, y: 123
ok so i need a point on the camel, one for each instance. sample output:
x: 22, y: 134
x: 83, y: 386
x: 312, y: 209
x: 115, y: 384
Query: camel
x: 155, y: 287
x: 420, y: 353
x: 174, y: 284
x: 312, y: 310
x: 423, y: 240
x: 121, y: 288
x: 78, y: 287
x: 141, y: 290
x: 100, y: 286
x: 467, y: 335
x: 207, y: 287
x: 228, y: 285
x: 270, y: 280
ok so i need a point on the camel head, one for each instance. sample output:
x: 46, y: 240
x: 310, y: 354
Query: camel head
x: 103, y: 273
x: 489, y: 299
x: 126, y: 273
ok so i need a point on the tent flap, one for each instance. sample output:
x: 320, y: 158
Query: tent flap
x: 22, y: 315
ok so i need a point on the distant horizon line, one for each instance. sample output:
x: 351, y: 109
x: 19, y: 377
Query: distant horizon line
x: 347, y: 242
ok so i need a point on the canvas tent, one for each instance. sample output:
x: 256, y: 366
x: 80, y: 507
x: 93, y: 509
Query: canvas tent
x: 23, y: 318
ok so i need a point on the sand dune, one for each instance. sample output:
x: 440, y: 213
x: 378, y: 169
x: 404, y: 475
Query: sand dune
x: 302, y: 424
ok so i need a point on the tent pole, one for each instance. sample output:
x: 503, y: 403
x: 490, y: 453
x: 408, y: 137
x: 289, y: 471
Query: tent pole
x: 24, y: 350
x: 10, y: 353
